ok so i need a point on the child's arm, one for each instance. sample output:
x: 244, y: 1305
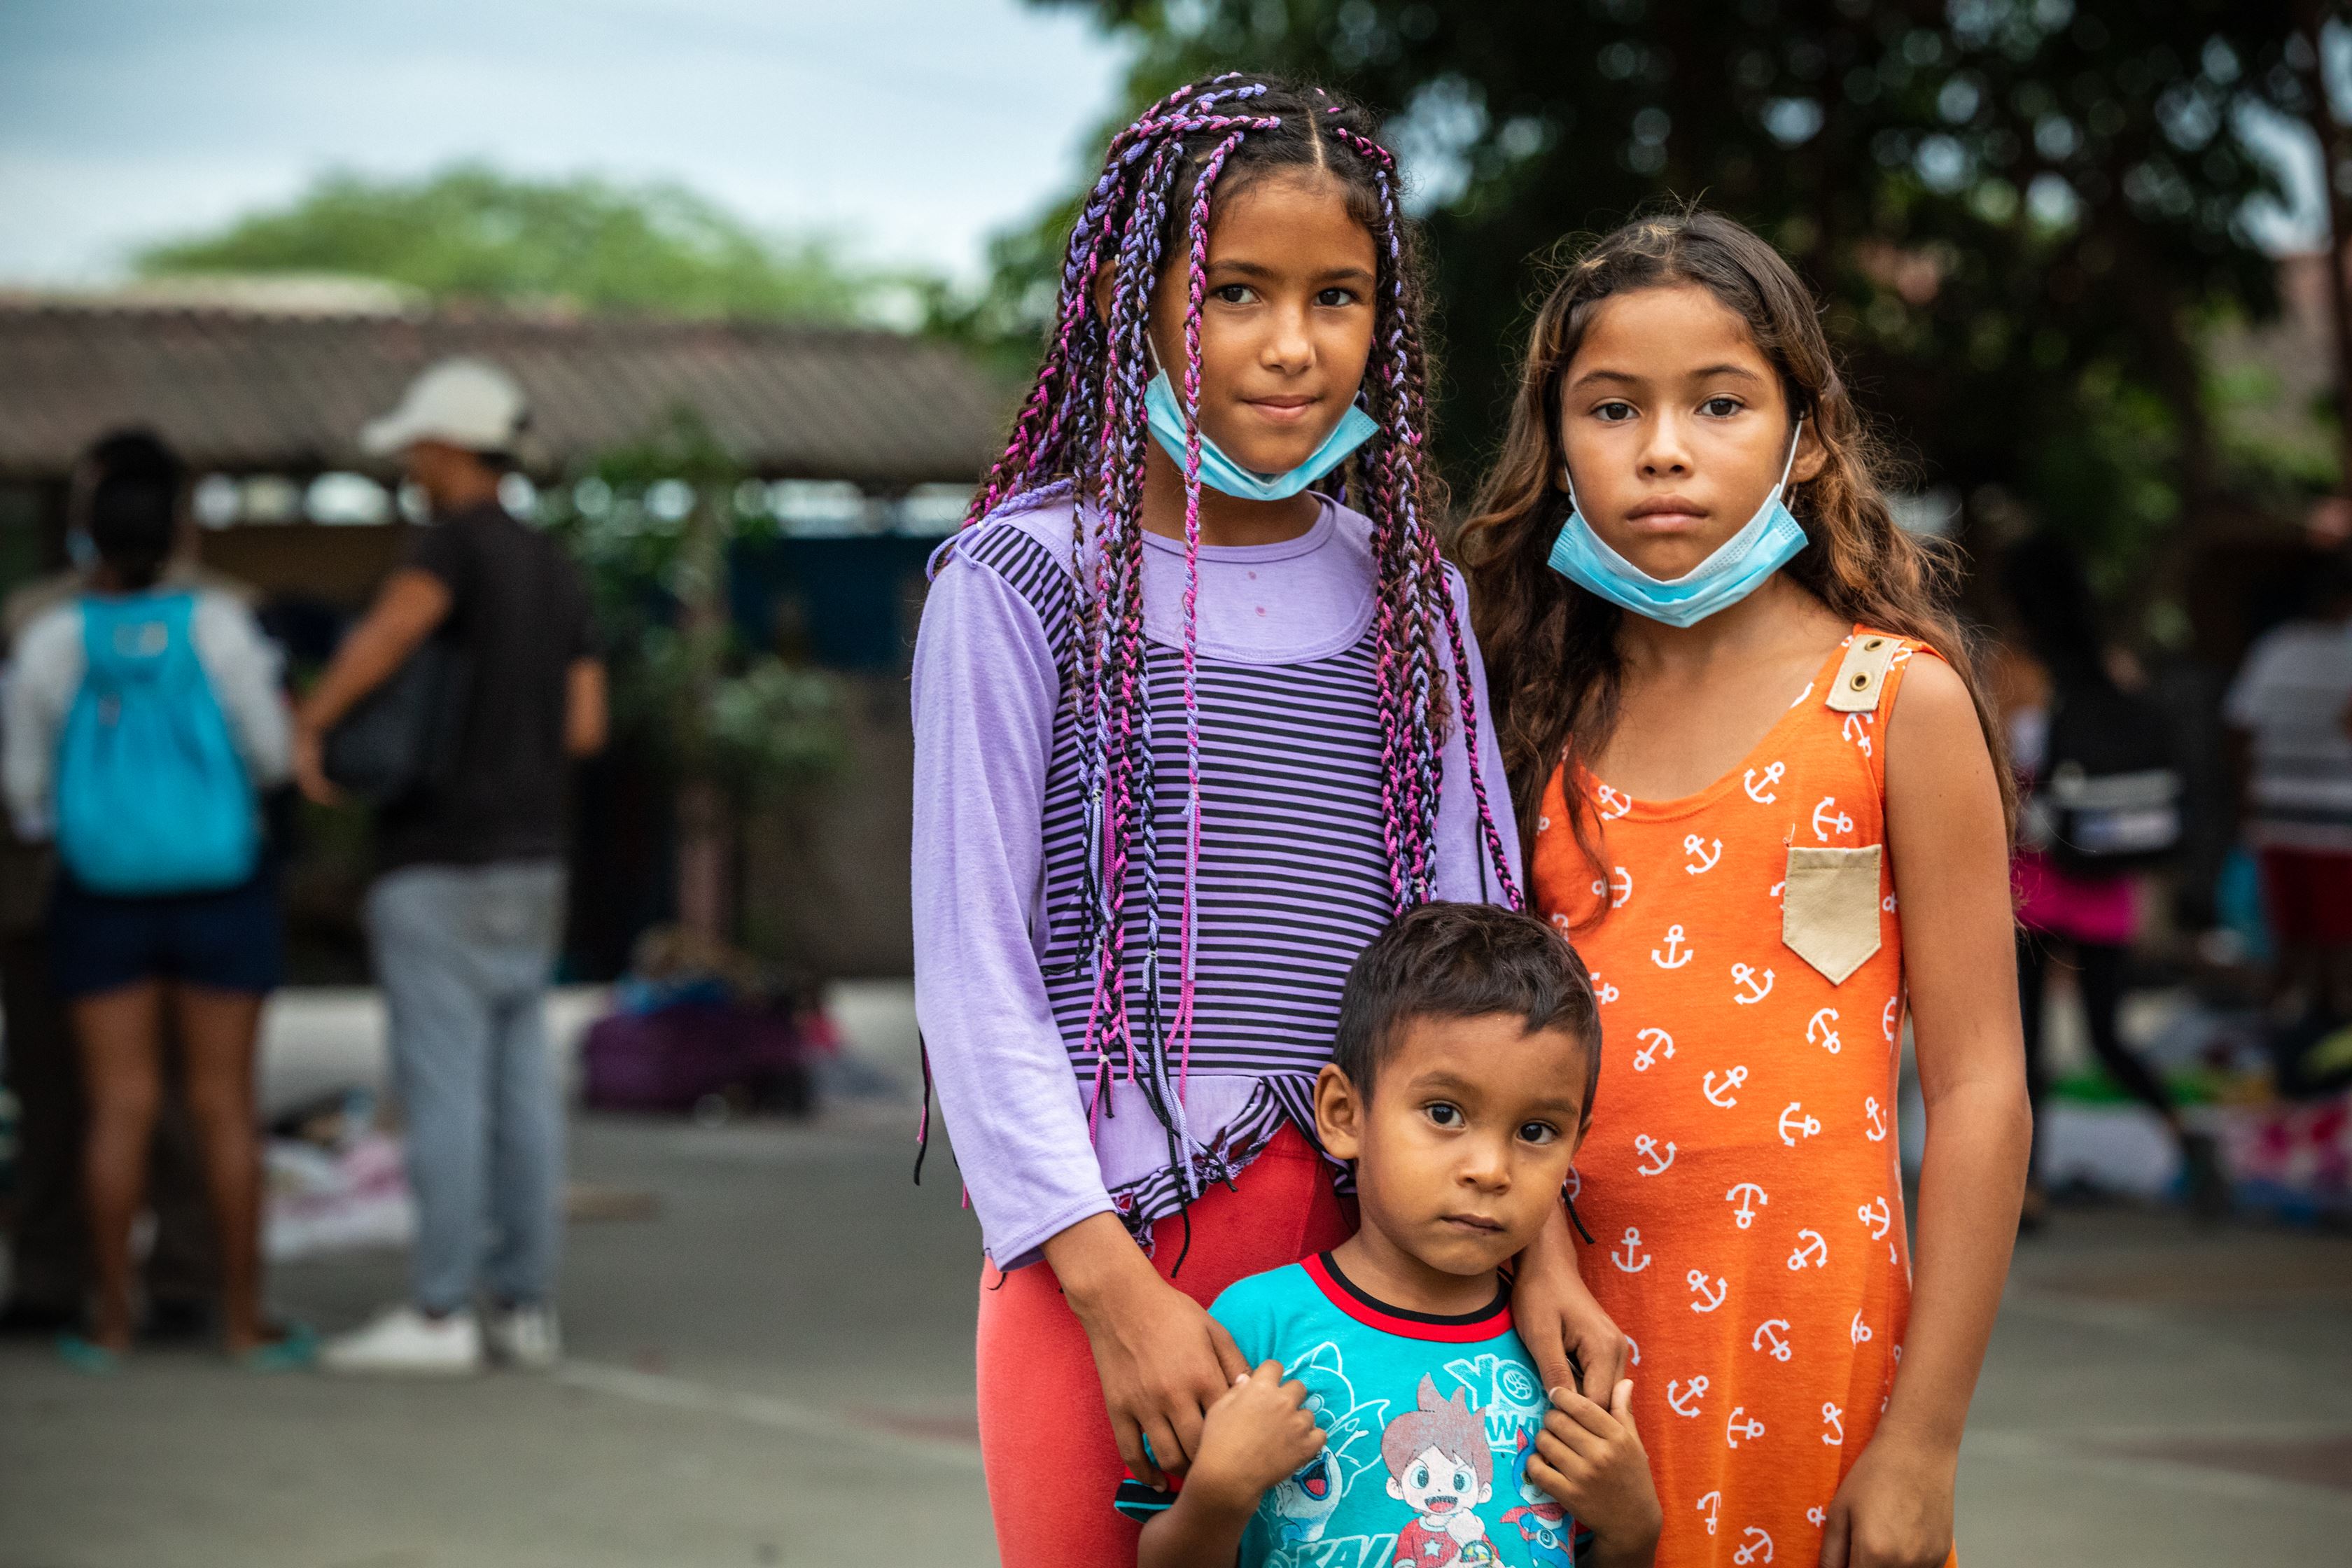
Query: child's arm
x: 1557, y: 1316
x: 1951, y: 871
x: 1591, y: 1462
x: 1258, y: 1433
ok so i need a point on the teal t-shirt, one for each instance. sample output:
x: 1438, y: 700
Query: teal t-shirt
x: 1428, y: 1423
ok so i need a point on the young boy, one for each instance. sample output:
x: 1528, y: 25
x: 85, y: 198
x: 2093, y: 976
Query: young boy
x: 1394, y: 1419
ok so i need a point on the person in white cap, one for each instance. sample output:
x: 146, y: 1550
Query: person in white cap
x: 464, y: 919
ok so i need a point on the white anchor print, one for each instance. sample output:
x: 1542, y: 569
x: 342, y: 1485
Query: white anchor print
x: 1802, y: 1126
x: 1817, y: 1516
x: 1856, y: 730
x: 1773, y: 774
x: 1887, y: 1020
x: 1634, y: 1348
x: 1815, y: 1250
x: 1731, y: 1080
x: 1857, y: 1333
x: 1575, y: 1183
x: 1839, y: 821
x: 1670, y: 958
x: 1615, y: 804
x: 1808, y: 691
x: 1767, y: 1339
x: 1710, y: 1505
x: 1633, y: 1249
x: 1647, y: 1147
x: 1602, y: 992
x: 1659, y: 1040
x: 1543, y: 825
x: 1562, y: 921
x: 1898, y: 1355
x: 1617, y: 887
x: 1821, y: 1034
x: 1775, y: 894
x: 1887, y: 903
x: 1749, y: 1197
x: 1877, y: 1133
x: 1701, y: 861
x: 1708, y: 1300
x: 1834, y: 1420
x: 1735, y: 1428
x: 1747, y: 1553
x: 1877, y: 1216
x: 1745, y: 975
x: 1695, y: 1392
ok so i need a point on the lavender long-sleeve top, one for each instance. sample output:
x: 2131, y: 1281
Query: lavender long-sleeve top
x: 1293, y: 878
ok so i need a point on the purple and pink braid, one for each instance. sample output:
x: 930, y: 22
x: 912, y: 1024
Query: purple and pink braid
x: 1082, y: 432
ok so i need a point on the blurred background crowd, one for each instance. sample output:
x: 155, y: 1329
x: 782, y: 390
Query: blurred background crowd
x: 760, y: 285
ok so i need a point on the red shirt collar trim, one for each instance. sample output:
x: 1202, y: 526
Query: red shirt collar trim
x: 1469, y: 1328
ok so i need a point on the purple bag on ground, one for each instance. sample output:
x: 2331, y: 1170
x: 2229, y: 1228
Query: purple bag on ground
x: 677, y: 1057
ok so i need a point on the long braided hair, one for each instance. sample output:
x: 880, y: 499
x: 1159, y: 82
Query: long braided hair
x: 1082, y: 434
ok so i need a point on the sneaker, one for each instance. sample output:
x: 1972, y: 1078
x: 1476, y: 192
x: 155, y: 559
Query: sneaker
x: 403, y: 1340
x: 527, y: 1336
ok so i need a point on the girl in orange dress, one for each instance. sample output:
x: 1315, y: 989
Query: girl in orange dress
x: 1749, y: 754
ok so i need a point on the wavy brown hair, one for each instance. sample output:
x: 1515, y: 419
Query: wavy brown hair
x: 1551, y: 648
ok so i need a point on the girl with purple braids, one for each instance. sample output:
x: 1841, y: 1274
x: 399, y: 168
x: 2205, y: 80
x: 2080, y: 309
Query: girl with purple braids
x: 1188, y: 735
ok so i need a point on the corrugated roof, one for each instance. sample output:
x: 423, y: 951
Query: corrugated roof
x: 245, y: 391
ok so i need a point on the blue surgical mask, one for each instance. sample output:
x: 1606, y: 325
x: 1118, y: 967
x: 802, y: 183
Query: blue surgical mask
x: 1738, y: 567
x: 1220, y: 472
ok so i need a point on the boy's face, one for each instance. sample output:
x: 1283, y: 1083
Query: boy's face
x: 1463, y: 1144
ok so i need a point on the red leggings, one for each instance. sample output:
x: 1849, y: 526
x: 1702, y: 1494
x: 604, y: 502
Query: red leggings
x: 1044, y: 1435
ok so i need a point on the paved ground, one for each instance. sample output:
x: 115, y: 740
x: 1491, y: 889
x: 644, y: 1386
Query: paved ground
x: 774, y: 1368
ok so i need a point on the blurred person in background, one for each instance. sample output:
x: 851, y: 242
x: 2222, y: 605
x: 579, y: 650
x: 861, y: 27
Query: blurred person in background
x: 466, y: 918
x: 2061, y: 689
x: 2290, y: 711
x: 142, y: 719
x: 49, y: 1238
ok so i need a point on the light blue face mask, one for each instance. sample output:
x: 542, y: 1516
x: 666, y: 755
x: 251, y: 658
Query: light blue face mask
x: 1738, y: 567
x: 1220, y: 472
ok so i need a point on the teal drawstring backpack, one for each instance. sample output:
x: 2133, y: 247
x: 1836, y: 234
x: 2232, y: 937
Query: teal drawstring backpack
x: 152, y: 796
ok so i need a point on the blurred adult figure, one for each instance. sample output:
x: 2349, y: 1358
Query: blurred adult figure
x: 464, y: 919
x: 2060, y: 690
x: 141, y: 721
x: 2291, y: 708
x: 49, y: 1236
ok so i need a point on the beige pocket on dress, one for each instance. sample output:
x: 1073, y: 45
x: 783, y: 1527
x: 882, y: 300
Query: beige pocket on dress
x: 1829, y: 908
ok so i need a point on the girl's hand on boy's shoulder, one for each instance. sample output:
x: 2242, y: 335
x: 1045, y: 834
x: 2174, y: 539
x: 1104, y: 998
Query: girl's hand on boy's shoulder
x: 1558, y: 1317
x: 1257, y: 1433
x: 1592, y: 1463
x: 1894, y: 1509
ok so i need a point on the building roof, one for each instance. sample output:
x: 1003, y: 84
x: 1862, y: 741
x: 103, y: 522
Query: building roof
x: 239, y: 390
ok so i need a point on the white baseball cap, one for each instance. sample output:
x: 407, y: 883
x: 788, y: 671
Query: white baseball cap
x: 467, y: 403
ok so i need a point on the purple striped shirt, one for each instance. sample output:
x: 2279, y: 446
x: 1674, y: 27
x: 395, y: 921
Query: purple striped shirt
x: 1293, y: 881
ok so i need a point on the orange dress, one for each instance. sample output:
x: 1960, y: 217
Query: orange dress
x: 1741, y: 1176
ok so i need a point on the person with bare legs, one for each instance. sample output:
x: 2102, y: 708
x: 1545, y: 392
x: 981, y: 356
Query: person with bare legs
x: 140, y: 722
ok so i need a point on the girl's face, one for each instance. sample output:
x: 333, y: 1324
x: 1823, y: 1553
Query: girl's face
x: 1286, y: 321
x: 1674, y: 425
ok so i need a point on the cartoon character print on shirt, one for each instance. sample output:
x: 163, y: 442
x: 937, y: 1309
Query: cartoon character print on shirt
x: 1440, y: 1468
x: 1545, y: 1526
x: 1462, y: 1442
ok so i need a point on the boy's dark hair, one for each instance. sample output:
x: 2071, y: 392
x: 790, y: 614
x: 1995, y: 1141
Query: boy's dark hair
x: 134, y: 504
x: 1463, y: 961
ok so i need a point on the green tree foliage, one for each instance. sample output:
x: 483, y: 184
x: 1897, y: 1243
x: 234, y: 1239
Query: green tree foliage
x: 2017, y: 212
x: 470, y: 232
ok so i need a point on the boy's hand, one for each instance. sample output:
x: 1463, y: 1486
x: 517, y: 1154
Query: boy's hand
x: 1256, y: 1435
x: 1591, y: 1462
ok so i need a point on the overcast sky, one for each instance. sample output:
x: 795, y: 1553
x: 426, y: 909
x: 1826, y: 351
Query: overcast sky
x: 911, y: 128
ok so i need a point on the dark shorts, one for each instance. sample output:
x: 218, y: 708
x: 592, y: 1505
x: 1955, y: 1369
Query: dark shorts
x: 230, y: 940
x: 2308, y: 893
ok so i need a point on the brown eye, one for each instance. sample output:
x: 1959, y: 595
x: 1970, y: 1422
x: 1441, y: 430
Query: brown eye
x: 1444, y: 1114
x: 1721, y: 408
